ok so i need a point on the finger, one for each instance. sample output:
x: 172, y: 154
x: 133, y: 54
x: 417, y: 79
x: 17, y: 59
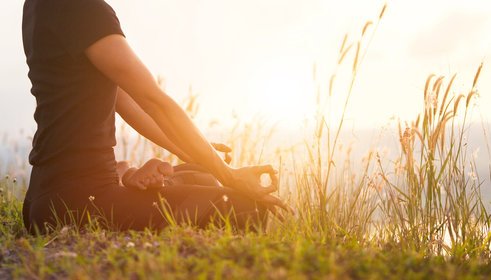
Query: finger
x: 274, y: 183
x: 221, y: 147
x: 228, y: 158
x: 274, y: 186
x: 275, y: 213
x: 160, y: 180
x: 165, y: 169
x: 146, y: 181
x: 284, y: 206
x: 140, y: 185
x: 259, y: 192
x: 158, y: 177
x: 261, y: 169
x: 274, y: 178
x: 156, y: 183
x: 269, y: 189
x: 271, y: 200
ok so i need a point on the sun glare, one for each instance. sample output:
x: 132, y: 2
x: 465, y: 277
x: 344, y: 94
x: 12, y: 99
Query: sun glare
x: 283, y: 94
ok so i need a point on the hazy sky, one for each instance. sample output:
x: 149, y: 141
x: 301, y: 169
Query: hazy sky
x: 255, y: 57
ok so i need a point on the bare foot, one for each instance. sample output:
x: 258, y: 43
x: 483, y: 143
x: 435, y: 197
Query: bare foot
x: 150, y: 175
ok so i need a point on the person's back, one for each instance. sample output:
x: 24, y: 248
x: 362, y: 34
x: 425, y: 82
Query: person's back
x: 75, y: 102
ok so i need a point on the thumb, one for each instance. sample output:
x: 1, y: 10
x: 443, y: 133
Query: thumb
x: 221, y: 147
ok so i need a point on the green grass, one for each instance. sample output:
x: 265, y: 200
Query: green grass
x: 284, y: 250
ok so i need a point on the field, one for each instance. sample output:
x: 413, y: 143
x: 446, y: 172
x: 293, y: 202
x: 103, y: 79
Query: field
x: 417, y: 215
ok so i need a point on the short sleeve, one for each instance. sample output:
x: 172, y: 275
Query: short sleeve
x: 79, y: 23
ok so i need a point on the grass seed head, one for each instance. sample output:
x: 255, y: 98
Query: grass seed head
x: 357, y: 55
x: 365, y: 28
x: 343, y: 44
x: 476, y: 77
x: 382, y: 12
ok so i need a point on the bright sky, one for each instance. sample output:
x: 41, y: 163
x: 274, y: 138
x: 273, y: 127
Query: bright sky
x: 255, y: 57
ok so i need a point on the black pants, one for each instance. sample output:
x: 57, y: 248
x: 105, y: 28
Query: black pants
x: 190, y: 196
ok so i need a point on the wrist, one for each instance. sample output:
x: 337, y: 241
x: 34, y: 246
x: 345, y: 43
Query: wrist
x: 222, y: 171
x: 227, y: 176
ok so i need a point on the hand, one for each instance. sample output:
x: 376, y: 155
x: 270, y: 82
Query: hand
x: 224, y: 149
x: 248, y: 181
x: 150, y: 175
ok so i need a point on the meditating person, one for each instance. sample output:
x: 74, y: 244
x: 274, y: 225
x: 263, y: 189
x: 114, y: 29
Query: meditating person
x: 82, y: 71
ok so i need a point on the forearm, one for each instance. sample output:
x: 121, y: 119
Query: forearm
x: 169, y: 116
x: 134, y: 115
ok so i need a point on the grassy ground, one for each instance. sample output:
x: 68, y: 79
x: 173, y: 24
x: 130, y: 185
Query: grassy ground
x: 186, y: 253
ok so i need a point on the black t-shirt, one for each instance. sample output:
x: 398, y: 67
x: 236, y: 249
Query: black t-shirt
x: 75, y: 102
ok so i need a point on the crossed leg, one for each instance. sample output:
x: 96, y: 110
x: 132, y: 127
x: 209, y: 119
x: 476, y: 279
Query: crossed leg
x: 183, y: 200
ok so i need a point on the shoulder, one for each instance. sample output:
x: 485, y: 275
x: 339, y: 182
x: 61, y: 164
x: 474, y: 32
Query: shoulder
x: 76, y: 10
x: 63, y: 5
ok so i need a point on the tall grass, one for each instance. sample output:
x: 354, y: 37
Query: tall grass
x: 429, y: 201
x: 333, y: 198
x: 434, y: 203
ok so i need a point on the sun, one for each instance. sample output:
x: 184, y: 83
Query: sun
x: 283, y: 94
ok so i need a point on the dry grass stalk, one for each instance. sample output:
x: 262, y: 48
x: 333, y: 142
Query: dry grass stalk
x: 365, y: 28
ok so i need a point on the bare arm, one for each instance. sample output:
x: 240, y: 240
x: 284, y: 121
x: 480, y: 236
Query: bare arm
x: 145, y: 125
x: 113, y: 57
